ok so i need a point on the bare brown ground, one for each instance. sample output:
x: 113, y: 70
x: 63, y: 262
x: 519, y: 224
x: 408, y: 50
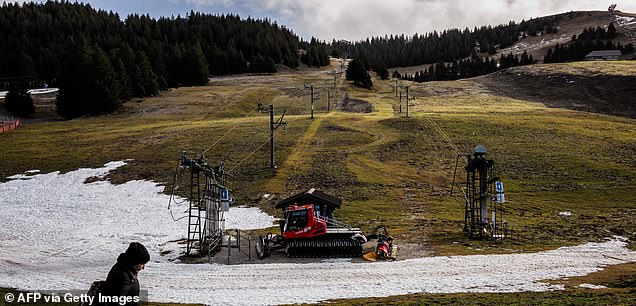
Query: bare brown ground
x: 604, y: 94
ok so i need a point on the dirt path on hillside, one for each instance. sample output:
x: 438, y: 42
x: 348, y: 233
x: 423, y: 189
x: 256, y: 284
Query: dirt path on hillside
x: 299, y: 158
x: 360, y: 163
x: 359, y: 159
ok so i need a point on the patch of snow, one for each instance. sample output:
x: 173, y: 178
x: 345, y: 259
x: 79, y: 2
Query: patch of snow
x: 625, y: 21
x: 565, y: 214
x: 590, y: 286
x: 247, y: 218
x: 24, y: 176
x: 282, y: 283
x: 39, y: 91
x: 521, y: 46
x: 61, y: 234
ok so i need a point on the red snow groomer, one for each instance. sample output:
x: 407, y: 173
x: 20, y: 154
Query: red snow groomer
x: 309, y: 229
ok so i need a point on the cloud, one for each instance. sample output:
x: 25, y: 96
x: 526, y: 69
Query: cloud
x: 356, y: 20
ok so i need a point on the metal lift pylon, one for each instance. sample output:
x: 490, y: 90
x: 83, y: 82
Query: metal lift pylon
x: 484, y: 198
x: 212, y: 199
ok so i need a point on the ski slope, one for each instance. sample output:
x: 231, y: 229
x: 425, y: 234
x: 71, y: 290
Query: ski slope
x: 59, y: 233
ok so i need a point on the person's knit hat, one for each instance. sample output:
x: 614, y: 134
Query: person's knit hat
x: 137, y: 253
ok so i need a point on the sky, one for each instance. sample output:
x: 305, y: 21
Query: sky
x: 358, y: 19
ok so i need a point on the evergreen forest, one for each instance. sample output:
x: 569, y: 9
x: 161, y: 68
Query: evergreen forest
x: 94, y: 55
x: 447, y: 46
x: 591, y: 39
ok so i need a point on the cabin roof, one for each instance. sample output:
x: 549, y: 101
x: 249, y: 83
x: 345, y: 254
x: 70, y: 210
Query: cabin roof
x: 605, y: 53
x: 311, y: 196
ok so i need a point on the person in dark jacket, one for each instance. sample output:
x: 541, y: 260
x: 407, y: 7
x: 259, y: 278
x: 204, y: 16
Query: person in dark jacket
x: 122, y: 279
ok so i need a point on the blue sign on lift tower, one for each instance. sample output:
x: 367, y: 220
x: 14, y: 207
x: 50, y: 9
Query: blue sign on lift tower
x: 499, y: 190
x: 225, y: 195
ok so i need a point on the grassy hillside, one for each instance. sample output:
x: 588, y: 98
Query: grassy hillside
x: 587, y: 86
x: 388, y: 170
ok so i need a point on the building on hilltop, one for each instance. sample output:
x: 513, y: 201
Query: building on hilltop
x: 604, y: 55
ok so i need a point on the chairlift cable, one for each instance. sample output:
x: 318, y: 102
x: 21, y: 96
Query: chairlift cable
x: 259, y: 147
x: 250, y: 155
x: 174, y: 185
x: 268, y: 138
x: 443, y: 134
x: 228, y: 131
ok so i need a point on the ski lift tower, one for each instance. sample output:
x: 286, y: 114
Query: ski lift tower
x: 484, y: 198
x: 208, y: 200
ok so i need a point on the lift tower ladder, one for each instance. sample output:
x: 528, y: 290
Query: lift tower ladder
x: 207, y: 198
x: 194, y: 207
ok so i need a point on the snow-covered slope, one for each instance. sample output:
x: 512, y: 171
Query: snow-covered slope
x: 58, y: 233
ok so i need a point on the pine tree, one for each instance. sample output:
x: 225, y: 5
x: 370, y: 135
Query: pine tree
x: 382, y: 71
x: 124, y: 79
x: 107, y: 90
x: 19, y: 102
x: 90, y: 85
x: 492, y: 50
x: 77, y: 83
x: 269, y: 65
x: 147, y: 78
x: 611, y: 31
x: 357, y: 73
x: 217, y: 61
x: 525, y: 60
x: 195, y: 66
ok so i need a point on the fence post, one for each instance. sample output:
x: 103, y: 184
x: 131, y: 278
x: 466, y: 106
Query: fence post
x: 229, y: 246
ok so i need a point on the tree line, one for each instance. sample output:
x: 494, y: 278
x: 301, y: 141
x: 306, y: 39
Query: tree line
x: 316, y: 53
x: 447, y: 46
x: 470, y: 67
x: 590, y: 39
x: 97, y: 60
